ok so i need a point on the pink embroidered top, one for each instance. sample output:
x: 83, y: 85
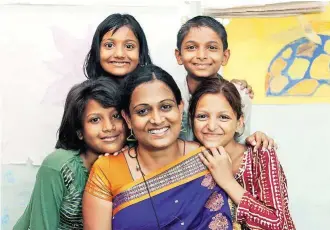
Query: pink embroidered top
x: 265, y: 203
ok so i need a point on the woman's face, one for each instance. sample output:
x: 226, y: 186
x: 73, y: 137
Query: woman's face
x: 155, y: 116
x: 104, y: 129
x: 119, y: 52
x: 215, y: 122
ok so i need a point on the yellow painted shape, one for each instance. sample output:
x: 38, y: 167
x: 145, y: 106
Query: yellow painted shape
x: 298, y: 68
x: 305, y: 87
x: 320, y: 26
x: 278, y: 83
x: 327, y: 47
x: 323, y: 91
x: 320, y: 67
x: 277, y: 67
x: 306, y: 49
x: 287, y: 53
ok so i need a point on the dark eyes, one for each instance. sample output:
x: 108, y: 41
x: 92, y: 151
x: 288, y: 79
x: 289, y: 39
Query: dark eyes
x: 145, y: 111
x: 95, y: 120
x: 117, y: 116
x: 224, y: 117
x: 203, y: 117
x: 166, y: 107
x: 191, y: 47
x: 142, y: 112
x: 130, y: 46
x: 110, y: 45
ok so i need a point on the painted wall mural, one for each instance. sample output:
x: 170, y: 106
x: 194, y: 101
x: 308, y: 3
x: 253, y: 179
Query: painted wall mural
x: 286, y: 60
x: 301, y: 68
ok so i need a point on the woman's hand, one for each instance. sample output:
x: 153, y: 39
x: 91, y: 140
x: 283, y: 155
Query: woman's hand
x: 219, y: 163
x: 220, y: 166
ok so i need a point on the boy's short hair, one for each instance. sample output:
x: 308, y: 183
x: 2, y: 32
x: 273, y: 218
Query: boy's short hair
x: 202, y: 21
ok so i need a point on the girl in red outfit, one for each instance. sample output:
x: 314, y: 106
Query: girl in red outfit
x: 254, y: 181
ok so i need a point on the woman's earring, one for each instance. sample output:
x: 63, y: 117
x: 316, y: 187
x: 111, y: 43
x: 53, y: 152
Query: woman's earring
x: 131, y: 137
x: 80, y: 136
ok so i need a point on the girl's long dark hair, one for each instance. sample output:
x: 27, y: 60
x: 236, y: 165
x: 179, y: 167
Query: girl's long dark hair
x: 103, y: 90
x: 92, y: 66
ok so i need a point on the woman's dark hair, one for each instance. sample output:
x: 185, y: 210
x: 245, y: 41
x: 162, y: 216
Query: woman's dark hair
x: 92, y: 66
x: 216, y: 86
x: 103, y: 90
x: 202, y: 21
x: 144, y: 74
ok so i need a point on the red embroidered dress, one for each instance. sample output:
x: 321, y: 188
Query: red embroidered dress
x: 265, y: 203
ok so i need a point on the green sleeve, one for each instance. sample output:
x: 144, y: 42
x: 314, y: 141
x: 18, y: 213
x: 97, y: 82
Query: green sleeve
x: 43, y: 211
x: 186, y: 132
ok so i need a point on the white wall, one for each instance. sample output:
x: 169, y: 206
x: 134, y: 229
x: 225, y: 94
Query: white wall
x: 302, y: 132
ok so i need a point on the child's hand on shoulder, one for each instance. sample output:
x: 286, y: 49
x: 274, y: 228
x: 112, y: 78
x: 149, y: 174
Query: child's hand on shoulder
x: 219, y: 163
x: 244, y: 86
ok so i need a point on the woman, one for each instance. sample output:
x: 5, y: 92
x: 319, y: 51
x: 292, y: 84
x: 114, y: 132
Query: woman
x: 161, y: 183
x: 91, y: 125
x: 119, y: 45
x: 254, y: 181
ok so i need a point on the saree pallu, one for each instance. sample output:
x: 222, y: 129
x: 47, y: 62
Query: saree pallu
x: 182, y: 195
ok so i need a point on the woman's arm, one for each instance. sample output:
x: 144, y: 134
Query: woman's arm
x: 44, y: 206
x: 97, y: 213
x: 97, y: 199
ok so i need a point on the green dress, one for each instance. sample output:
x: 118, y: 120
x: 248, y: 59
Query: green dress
x: 56, y: 201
